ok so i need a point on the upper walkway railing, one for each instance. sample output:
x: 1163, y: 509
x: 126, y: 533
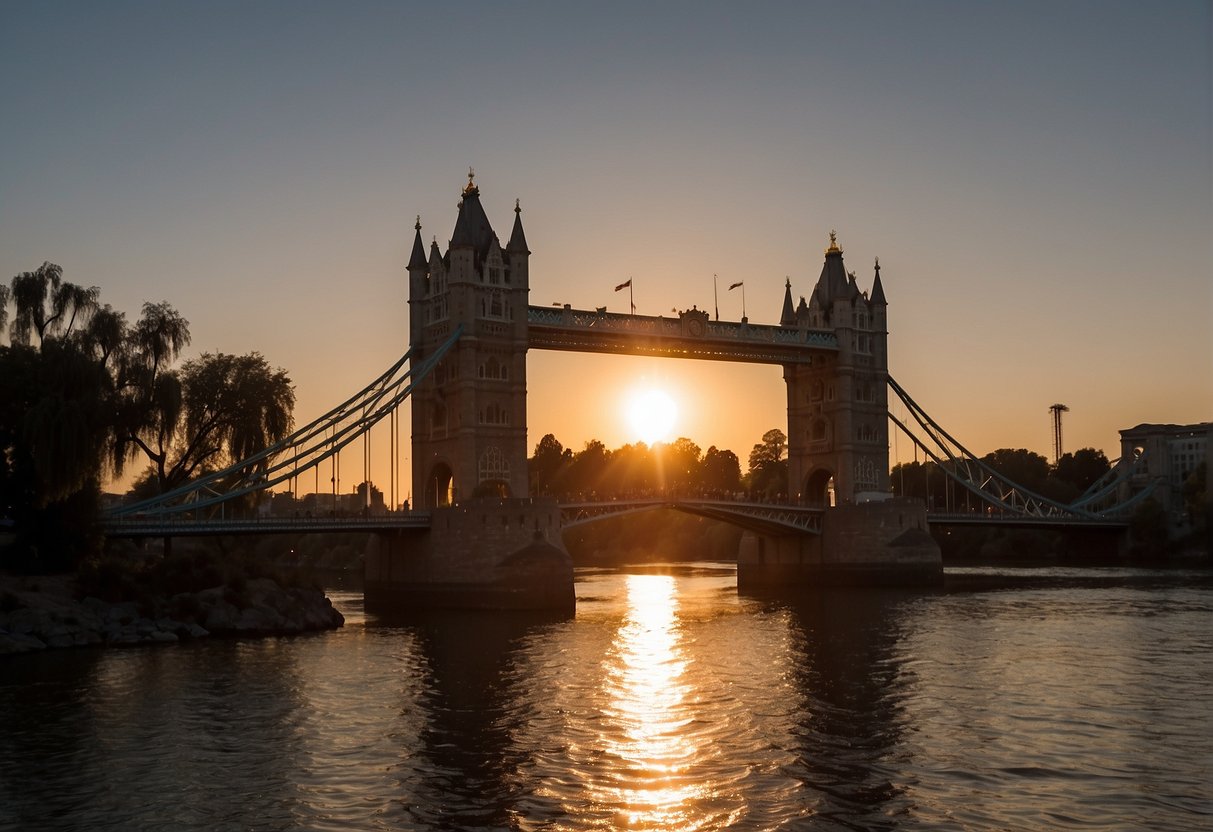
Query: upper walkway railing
x: 690, y: 335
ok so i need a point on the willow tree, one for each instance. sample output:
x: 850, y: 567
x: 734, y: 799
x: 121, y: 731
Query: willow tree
x: 82, y: 394
x: 216, y: 410
x: 54, y: 419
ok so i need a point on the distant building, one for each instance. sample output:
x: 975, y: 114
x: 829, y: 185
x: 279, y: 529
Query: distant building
x: 1169, y: 455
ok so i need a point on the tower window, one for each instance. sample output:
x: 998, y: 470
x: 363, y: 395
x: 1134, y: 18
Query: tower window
x: 494, y: 370
x: 494, y: 414
x: 493, y: 466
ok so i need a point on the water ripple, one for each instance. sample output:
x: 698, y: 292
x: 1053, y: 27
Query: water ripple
x: 668, y: 703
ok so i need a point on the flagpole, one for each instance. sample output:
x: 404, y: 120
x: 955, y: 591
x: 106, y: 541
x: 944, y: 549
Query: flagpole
x: 631, y: 300
x: 743, y: 301
x: 716, y: 296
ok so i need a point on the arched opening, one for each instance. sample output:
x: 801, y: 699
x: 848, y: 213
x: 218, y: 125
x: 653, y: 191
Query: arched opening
x: 819, y: 488
x: 440, y: 487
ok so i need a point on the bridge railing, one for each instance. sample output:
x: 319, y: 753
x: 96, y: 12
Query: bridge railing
x: 302, y: 451
x: 780, y: 518
x: 1000, y: 492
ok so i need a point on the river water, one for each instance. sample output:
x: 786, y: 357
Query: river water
x: 1016, y: 699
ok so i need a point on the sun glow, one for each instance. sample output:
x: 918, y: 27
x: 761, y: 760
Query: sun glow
x: 647, y: 727
x: 651, y: 414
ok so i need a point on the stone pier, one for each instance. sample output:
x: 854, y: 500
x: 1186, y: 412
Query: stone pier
x: 875, y: 544
x: 485, y: 553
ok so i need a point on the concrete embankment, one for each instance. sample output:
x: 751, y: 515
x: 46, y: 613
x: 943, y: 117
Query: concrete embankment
x: 37, y: 613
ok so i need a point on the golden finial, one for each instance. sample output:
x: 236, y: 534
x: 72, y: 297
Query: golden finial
x: 833, y: 242
x: 471, y: 186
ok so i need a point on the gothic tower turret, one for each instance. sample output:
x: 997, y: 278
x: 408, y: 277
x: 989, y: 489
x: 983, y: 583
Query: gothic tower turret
x: 838, y: 404
x: 469, y: 415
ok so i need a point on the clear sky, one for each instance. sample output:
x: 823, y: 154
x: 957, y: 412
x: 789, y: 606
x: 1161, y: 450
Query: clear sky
x: 1036, y: 179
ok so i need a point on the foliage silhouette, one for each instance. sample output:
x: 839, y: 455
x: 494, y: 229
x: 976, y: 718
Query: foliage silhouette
x: 82, y: 394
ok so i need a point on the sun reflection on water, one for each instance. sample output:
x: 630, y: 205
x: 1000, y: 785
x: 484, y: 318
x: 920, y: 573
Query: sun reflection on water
x: 647, y: 734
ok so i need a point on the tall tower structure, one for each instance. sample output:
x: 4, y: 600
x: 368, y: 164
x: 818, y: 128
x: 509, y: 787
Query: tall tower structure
x: 1057, y: 410
x: 469, y: 415
x: 838, y: 445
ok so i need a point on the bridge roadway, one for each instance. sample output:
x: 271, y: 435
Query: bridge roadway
x: 769, y: 518
x: 998, y: 519
x: 765, y: 518
x: 690, y: 335
x: 139, y: 527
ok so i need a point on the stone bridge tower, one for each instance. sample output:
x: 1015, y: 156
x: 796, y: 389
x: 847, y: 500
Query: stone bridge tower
x: 838, y: 444
x: 469, y: 415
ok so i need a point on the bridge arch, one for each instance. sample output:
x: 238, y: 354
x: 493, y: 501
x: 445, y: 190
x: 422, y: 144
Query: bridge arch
x: 439, y: 486
x: 819, y: 487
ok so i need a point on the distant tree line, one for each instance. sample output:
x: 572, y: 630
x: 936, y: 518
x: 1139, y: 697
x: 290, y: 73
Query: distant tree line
x: 640, y: 470
x: 84, y: 393
x: 1064, y: 482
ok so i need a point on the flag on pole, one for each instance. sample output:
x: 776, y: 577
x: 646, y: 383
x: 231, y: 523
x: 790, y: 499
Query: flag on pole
x: 735, y: 285
x: 624, y: 285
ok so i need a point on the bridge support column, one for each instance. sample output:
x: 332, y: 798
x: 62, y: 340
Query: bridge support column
x: 482, y: 554
x: 879, y: 544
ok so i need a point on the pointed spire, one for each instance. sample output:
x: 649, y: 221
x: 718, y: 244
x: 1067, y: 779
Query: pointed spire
x: 418, y: 261
x: 472, y: 227
x: 517, y: 237
x: 788, y: 316
x: 834, y: 283
x: 877, y: 288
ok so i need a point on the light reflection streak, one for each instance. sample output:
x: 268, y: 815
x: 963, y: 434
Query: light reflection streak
x: 647, y: 737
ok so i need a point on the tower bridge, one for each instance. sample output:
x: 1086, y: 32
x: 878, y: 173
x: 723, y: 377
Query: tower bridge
x: 477, y: 537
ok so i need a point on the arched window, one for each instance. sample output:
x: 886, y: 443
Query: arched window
x: 865, y: 474
x: 493, y: 465
x: 494, y: 370
x: 494, y: 414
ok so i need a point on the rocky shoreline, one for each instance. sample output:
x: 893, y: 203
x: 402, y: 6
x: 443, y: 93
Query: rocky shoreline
x: 39, y: 613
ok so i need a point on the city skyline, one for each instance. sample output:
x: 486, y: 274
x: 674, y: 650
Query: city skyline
x: 1036, y: 182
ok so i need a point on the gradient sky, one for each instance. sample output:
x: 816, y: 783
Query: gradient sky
x: 1036, y: 179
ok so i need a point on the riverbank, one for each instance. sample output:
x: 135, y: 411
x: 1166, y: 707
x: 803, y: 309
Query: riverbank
x: 44, y: 612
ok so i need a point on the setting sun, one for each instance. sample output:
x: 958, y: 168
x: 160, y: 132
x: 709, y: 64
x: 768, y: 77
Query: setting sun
x: 651, y: 415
